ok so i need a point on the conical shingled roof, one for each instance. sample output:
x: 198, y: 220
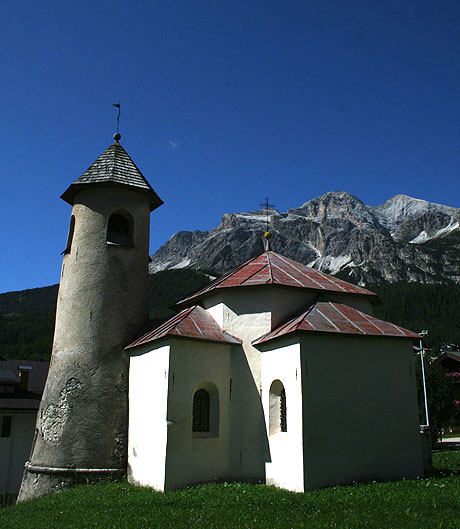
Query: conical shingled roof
x: 114, y: 167
x: 193, y: 322
x: 329, y: 317
x: 270, y: 268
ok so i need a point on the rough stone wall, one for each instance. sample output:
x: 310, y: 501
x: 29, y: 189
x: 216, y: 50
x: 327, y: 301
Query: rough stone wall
x: 102, y: 303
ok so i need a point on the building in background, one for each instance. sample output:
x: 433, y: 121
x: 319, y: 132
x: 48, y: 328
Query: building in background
x: 21, y: 388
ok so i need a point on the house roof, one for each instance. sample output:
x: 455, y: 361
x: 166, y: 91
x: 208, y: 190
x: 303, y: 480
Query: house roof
x: 14, y: 399
x: 115, y: 167
x: 270, y: 268
x: 328, y: 317
x: 193, y: 322
x: 451, y: 355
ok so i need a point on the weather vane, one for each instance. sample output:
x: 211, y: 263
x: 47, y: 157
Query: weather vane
x: 267, y: 235
x: 118, y: 105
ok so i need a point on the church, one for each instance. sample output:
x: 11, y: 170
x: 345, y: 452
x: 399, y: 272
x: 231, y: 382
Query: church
x: 274, y: 373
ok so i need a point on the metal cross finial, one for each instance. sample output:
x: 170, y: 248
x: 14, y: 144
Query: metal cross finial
x: 118, y: 105
x: 267, y: 206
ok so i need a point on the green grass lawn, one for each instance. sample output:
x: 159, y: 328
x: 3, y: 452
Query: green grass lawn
x: 424, y: 504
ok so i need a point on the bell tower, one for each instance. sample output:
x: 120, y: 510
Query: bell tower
x: 81, y: 430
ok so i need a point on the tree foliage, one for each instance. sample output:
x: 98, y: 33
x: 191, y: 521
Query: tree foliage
x: 435, y: 308
x: 27, y: 317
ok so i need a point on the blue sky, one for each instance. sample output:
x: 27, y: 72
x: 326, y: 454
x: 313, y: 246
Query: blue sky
x: 223, y: 103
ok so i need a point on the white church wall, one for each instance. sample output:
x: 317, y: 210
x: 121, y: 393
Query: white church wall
x: 245, y: 313
x: 286, y: 302
x: 148, y: 394
x: 360, y: 410
x: 194, y: 457
x: 285, y: 466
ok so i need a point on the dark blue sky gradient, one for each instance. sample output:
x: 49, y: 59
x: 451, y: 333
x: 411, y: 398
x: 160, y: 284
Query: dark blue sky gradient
x: 223, y: 103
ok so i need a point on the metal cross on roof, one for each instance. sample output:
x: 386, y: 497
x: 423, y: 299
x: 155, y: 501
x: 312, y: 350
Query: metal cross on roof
x: 267, y: 206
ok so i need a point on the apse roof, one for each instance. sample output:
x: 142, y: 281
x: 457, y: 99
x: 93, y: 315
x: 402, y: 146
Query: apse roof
x: 270, y: 268
x: 328, y: 317
x: 114, y: 166
x: 193, y: 322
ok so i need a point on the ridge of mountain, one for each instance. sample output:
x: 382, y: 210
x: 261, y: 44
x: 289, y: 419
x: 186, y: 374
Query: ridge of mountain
x: 404, y: 239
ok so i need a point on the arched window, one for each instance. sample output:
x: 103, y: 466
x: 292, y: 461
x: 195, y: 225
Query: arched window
x: 68, y: 246
x: 277, y: 408
x: 205, y: 411
x: 283, y: 418
x: 201, y: 411
x: 120, y: 229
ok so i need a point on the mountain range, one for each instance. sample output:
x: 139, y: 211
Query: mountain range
x: 404, y: 239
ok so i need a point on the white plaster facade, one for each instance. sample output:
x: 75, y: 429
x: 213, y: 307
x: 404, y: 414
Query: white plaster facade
x: 351, y: 407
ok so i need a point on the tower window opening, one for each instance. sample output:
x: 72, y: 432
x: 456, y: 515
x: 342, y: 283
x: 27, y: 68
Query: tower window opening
x: 68, y: 246
x: 119, y: 230
x: 201, y: 409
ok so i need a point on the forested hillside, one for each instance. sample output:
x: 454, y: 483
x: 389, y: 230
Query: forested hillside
x: 27, y: 317
x: 435, y: 308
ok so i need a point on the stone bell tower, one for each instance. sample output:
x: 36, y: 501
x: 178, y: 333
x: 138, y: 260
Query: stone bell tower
x: 81, y: 430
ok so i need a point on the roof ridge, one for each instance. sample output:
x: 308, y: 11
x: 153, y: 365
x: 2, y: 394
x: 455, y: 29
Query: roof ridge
x: 217, y: 281
x: 255, y: 273
x: 270, y: 266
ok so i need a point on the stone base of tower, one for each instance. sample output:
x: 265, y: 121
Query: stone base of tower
x: 36, y: 484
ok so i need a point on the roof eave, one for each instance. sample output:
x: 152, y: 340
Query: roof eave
x: 193, y: 300
x: 132, y: 349
x: 262, y: 341
x: 73, y: 189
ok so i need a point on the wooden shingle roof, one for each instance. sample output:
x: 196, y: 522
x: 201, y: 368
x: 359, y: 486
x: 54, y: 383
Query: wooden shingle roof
x: 114, y: 167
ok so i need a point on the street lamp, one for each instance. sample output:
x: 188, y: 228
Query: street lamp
x: 422, y: 335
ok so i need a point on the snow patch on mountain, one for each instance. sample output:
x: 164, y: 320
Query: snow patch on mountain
x: 452, y: 226
x: 331, y: 264
x: 182, y: 264
x: 421, y: 237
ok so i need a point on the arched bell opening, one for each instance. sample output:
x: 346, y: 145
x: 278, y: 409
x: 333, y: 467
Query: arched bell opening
x: 120, y: 229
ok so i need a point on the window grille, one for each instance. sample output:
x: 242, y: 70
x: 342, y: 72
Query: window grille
x: 283, y: 418
x: 201, y: 411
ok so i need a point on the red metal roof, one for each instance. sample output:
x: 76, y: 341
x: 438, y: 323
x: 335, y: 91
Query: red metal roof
x: 270, y: 268
x: 330, y: 317
x: 193, y: 322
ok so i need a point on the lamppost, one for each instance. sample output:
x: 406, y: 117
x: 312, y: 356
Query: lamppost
x: 422, y: 335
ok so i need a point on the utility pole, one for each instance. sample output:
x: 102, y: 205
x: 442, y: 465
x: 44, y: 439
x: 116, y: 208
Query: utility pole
x: 422, y: 335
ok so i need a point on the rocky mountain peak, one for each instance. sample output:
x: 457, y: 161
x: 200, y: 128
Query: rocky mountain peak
x: 404, y: 239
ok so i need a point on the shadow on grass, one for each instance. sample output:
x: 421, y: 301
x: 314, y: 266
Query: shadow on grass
x: 446, y: 461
